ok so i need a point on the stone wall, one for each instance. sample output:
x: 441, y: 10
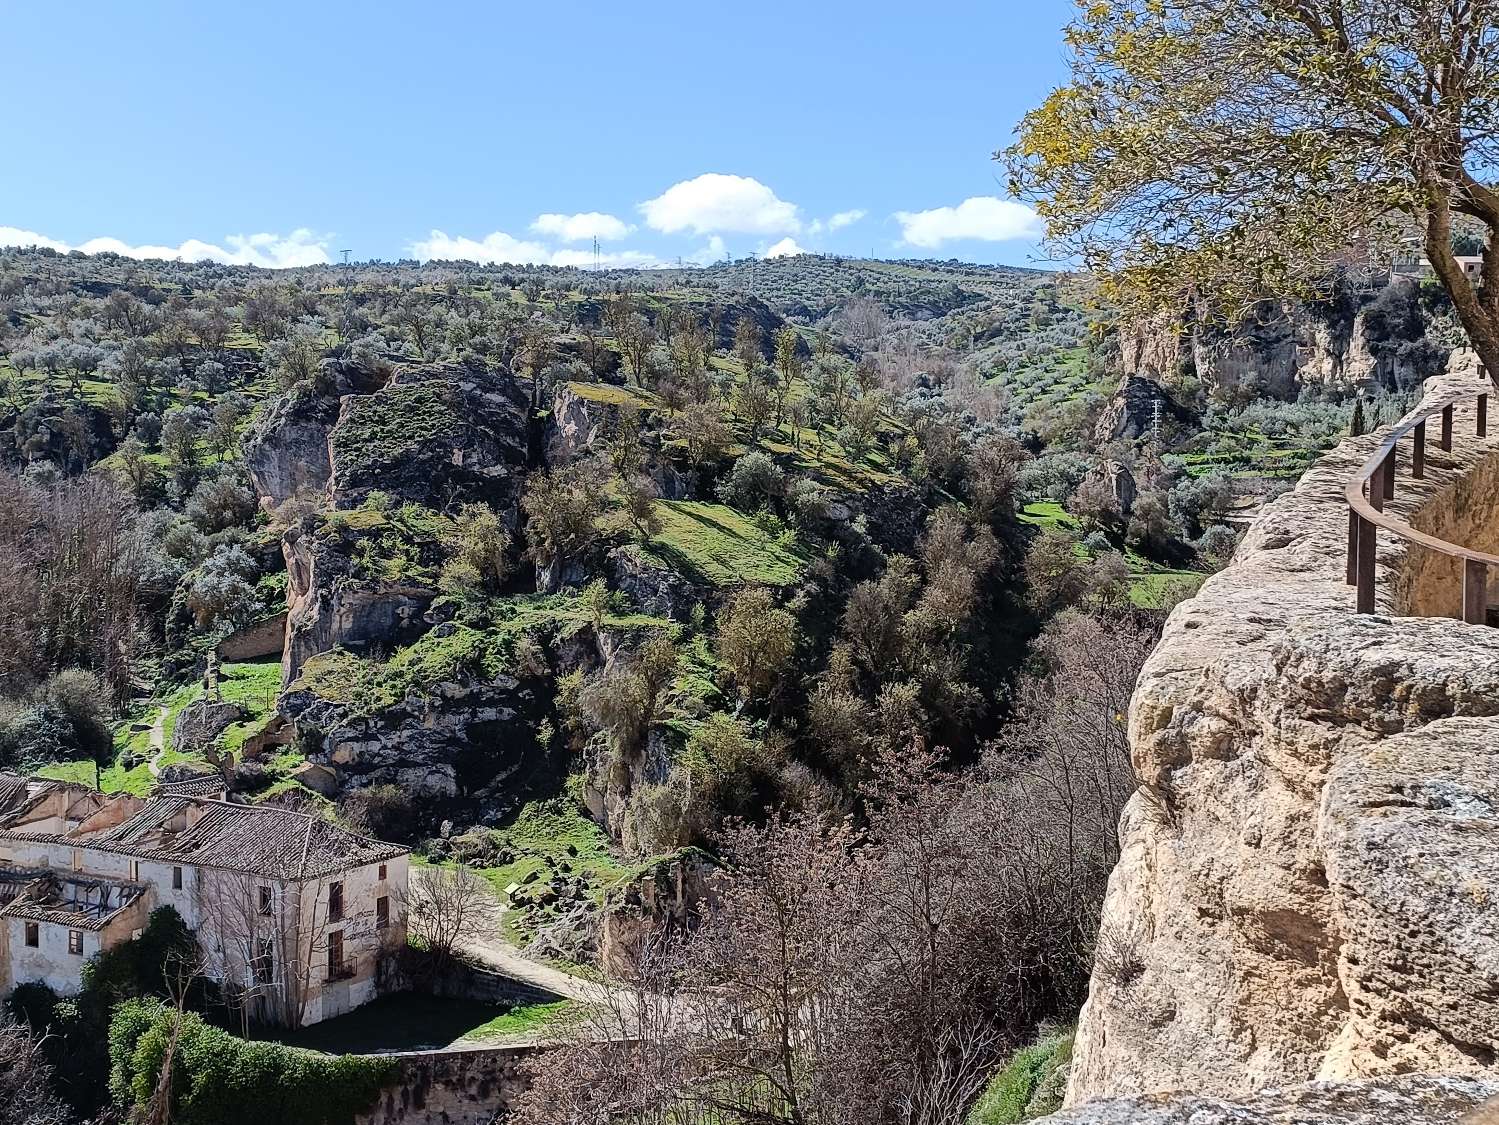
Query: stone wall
x: 1307, y: 878
x: 255, y: 641
x: 1461, y: 512
x: 453, y: 1087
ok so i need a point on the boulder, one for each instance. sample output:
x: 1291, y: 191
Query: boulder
x: 1139, y: 408
x: 202, y: 721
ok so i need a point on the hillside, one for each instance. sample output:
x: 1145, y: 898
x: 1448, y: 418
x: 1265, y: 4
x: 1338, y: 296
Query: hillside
x: 606, y: 586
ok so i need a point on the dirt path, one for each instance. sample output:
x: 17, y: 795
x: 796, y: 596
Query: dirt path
x: 158, y: 741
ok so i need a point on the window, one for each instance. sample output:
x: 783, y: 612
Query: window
x: 265, y: 961
x: 265, y: 900
x: 33, y: 934
x: 176, y: 878
x: 335, y: 902
x: 336, y: 966
x: 382, y: 872
x: 382, y: 912
x: 75, y: 942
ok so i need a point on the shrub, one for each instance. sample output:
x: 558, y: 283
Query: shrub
x: 753, y: 483
x: 218, y: 1079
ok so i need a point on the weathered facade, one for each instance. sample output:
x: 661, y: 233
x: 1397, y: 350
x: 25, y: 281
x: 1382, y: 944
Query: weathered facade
x: 291, y: 912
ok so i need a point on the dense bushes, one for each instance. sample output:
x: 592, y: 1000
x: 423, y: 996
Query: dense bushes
x: 76, y: 1028
x: 64, y: 719
x: 218, y: 1079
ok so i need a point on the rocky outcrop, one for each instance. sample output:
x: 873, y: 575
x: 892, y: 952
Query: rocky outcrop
x: 1415, y: 1100
x: 1368, y: 332
x: 668, y: 898
x: 650, y: 584
x: 577, y: 425
x: 433, y: 434
x: 1112, y: 480
x: 286, y: 447
x: 1306, y: 879
x: 1140, y: 407
x: 329, y: 607
x: 464, y: 738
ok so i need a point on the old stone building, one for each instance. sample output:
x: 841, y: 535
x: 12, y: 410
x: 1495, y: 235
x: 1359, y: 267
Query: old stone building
x: 291, y: 913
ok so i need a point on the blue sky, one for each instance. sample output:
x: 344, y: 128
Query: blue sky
x: 282, y: 133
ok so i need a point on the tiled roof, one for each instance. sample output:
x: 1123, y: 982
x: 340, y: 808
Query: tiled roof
x: 257, y: 839
x: 13, y: 790
x: 204, y: 785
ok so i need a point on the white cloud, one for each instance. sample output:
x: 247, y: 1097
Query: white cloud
x: 499, y: 247
x: 581, y: 227
x: 786, y: 248
x: 982, y: 217
x: 838, y: 221
x: 714, y: 202
x: 271, y: 251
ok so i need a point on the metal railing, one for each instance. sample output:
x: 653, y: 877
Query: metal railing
x: 1374, y: 483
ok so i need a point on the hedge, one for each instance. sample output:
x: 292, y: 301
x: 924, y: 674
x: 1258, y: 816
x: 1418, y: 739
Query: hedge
x: 218, y: 1079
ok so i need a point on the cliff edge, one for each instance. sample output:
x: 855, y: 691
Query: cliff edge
x: 1309, y: 882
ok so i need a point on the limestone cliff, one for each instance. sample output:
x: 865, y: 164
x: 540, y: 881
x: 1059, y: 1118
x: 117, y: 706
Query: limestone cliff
x: 1367, y: 333
x: 1308, y: 879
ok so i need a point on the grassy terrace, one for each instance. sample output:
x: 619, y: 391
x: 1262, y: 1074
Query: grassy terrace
x: 253, y: 685
x: 716, y: 544
x: 1149, y: 581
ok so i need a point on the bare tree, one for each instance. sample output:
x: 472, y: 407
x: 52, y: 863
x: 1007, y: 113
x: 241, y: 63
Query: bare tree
x: 26, y: 1079
x: 450, y: 908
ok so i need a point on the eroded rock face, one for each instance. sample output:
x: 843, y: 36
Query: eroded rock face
x: 1367, y: 333
x: 653, y: 586
x: 286, y: 449
x: 433, y: 434
x: 327, y: 607
x: 462, y: 739
x: 1413, y: 1100
x: 1303, y: 885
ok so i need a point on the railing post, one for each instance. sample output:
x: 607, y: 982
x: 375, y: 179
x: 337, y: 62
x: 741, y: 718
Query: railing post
x: 1475, y: 592
x: 1376, y: 487
x: 1418, y: 450
x: 1366, y: 548
x: 1483, y: 415
x: 1446, y: 442
x: 1353, y: 522
x: 1387, y: 473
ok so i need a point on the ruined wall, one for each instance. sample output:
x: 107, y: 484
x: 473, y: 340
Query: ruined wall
x: 450, y: 1088
x: 1307, y: 883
